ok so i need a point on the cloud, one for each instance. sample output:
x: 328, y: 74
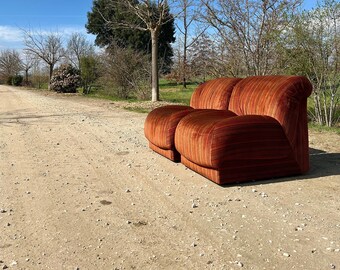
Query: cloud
x: 10, y: 34
x: 12, y: 37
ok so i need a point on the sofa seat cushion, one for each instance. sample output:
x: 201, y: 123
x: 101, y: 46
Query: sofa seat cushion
x: 161, y: 123
x: 211, y: 138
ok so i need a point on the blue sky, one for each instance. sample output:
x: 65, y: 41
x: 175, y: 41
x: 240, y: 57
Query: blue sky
x: 63, y: 16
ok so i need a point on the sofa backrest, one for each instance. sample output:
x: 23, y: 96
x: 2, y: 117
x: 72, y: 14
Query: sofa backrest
x: 213, y: 94
x: 281, y: 97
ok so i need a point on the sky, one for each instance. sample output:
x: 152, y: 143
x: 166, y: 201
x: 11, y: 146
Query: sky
x: 62, y: 16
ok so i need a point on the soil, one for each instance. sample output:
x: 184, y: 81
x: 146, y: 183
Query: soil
x: 80, y: 189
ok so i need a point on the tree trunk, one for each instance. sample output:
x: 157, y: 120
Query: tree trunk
x: 184, y: 71
x: 154, y: 65
x: 26, y: 76
x: 50, y: 76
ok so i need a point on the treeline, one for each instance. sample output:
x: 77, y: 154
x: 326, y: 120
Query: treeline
x: 186, y: 41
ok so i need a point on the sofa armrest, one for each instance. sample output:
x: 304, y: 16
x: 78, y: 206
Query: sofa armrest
x: 249, y: 137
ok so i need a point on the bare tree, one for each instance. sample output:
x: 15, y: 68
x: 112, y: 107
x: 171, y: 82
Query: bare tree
x: 47, y: 47
x: 78, y: 47
x: 10, y: 63
x: 187, y: 25
x: 252, y: 26
x: 153, y: 15
x: 28, y: 61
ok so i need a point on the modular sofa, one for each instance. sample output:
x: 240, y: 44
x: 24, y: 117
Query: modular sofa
x: 262, y: 134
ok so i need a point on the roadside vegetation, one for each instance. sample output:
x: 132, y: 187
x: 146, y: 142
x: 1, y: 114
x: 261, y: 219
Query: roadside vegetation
x: 136, y: 55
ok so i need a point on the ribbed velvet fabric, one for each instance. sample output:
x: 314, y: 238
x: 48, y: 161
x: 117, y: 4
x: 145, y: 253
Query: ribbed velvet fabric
x: 160, y: 126
x: 161, y: 123
x: 214, y: 94
x: 263, y: 135
x: 283, y: 98
x: 222, y: 135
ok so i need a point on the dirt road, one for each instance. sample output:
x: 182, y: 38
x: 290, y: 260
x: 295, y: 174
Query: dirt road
x: 79, y: 189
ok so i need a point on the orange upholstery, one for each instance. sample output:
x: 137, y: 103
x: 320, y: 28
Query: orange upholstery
x: 283, y: 98
x: 214, y: 94
x: 160, y: 126
x: 161, y: 123
x: 264, y: 134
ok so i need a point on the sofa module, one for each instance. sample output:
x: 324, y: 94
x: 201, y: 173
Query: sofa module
x: 263, y: 134
x: 161, y: 123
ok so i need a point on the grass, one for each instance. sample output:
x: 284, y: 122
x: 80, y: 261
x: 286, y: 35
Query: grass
x: 173, y: 92
x: 136, y: 109
x: 319, y: 128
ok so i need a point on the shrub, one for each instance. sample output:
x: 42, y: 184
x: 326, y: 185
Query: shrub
x: 126, y: 73
x: 66, y: 79
x: 89, y: 72
x: 17, y: 80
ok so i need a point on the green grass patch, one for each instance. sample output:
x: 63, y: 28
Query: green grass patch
x: 101, y: 95
x: 173, y: 92
x: 138, y: 110
x: 319, y: 128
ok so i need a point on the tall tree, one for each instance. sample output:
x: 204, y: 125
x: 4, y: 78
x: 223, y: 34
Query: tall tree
x: 77, y: 47
x: 202, y: 57
x: 190, y: 30
x: 47, y: 47
x: 252, y: 26
x: 28, y: 61
x: 117, y: 21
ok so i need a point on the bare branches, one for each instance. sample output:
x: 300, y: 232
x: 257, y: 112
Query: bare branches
x: 256, y: 25
x: 46, y: 46
x: 10, y: 63
x: 78, y: 47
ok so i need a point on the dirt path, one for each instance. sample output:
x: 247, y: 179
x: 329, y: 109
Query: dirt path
x: 79, y: 189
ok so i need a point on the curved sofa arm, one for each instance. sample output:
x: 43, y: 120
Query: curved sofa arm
x: 160, y: 124
x: 250, y: 137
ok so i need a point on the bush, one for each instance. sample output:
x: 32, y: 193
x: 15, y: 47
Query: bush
x: 66, y: 79
x: 17, y: 80
x: 126, y: 73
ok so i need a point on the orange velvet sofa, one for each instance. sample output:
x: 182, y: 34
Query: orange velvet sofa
x: 262, y: 134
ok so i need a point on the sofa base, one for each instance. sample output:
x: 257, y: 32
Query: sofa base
x: 237, y: 171
x: 173, y: 155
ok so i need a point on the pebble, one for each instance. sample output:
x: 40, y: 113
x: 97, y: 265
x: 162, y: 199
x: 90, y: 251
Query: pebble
x: 263, y: 195
x: 5, y: 267
x: 238, y: 263
x: 333, y: 266
x: 2, y: 210
x: 286, y: 254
